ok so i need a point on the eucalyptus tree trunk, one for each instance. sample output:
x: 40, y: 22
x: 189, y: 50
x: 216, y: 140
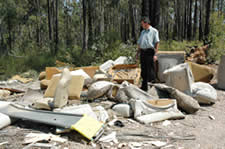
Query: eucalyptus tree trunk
x: 84, y: 47
x: 189, y: 33
x: 195, y: 19
x: 132, y: 21
x: 208, y: 5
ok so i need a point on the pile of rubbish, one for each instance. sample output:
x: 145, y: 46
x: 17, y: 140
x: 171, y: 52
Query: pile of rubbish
x: 183, y: 88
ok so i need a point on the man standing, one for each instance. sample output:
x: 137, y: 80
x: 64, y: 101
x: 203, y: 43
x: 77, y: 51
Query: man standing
x: 148, y: 44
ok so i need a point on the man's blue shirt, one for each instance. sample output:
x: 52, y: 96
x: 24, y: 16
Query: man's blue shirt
x: 148, y: 38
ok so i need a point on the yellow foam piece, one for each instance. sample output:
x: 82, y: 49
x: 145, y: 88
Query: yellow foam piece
x: 87, y: 126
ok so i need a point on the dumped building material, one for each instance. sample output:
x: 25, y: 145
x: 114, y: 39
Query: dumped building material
x: 42, y: 75
x: 129, y: 91
x: 179, y: 77
x: 168, y: 59
x: 44, y: 84
x: 37, y: 137
x: 204, y: 93
x: 155, y: 110
x: 4, y: 93
x: 184, y: 102
x: 123, y: 110
x: 75, y: 87
x: 43, y: 104
x: 220, y: 73
x: 21, y: 79
x: 125, y: 72
x: 62, y: 90
x: 201, y: 73
x: 99, y: 89
x: 198, y: 55
x: 50, y: 71
x: 105, y: 67
x: 84, y: 124
x: 89, y: 70
x: 4, y: 120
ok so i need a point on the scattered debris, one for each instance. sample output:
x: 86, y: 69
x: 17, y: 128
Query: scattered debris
x: 37, y: 137
x: 61, y: 93
x: 123, y: 110
x: 4, y: 93
x: 109, y: 138
x: 211, y: 117
x: 168, y: 59
x: 21, y: 79
x: 179, y: 77
x: 204, y: 93
x: 201, y: 73
x: 6, y: 142
x: 198, y: 54
x: 4, y: 120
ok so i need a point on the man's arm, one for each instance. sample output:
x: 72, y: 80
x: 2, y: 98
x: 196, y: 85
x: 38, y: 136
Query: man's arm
x: 156, y: 51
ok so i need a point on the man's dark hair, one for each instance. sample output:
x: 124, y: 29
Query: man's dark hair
x: 145, y: 19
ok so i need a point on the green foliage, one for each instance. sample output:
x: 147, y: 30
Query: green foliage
x: 217, y: 37
x: 172, y: 45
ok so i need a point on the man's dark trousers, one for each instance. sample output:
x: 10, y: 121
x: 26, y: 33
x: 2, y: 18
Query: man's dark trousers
x: 147, y: 67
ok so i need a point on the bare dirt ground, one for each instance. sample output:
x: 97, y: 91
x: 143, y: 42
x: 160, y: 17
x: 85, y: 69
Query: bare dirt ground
x: 202, y: 130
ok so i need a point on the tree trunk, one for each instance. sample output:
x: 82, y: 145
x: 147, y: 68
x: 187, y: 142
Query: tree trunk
x: 190, y: 21
x: 49, y: 21
x: 200, y: 22
x: 102, y: 21
x: 84, y: 26
x: 90, y: 27
x: 156, y: 14
x: 56, y: 27
x: 208, y: 5
x: 145, y: 8
x: 132, y: 22
x: 195, y: 19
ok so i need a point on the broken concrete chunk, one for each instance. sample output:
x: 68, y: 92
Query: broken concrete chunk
x: 220, y: 74
x: 4, y: 120
x: 99, y: 89
x: 61, y: 94
x: 4, y: 93
x: 201, y: 73
x: 43, y: 103
x: 204, y: 93
x: 123, y: 110
x: 179, y: 77
x: 42, y: 75
x: 105, y: 67
x: 75, y: 87
x: 168, y: 59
